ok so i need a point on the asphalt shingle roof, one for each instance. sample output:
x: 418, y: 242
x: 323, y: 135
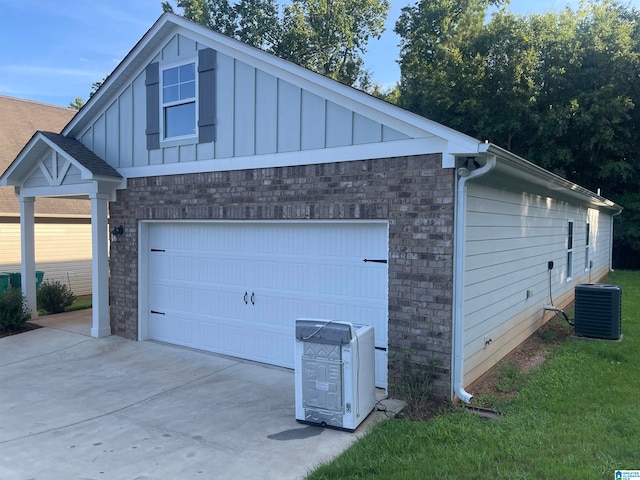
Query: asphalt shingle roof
x: 83, y: 155
x: 19, y: 120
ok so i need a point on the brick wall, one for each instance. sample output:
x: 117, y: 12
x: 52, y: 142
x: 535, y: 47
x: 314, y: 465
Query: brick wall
x: 413, y: 193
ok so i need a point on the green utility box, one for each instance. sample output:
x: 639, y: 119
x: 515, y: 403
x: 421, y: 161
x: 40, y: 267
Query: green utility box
x: 4, y: 282
x: 15, y: 279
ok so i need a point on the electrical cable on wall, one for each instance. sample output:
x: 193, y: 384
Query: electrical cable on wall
x: 551, y: 307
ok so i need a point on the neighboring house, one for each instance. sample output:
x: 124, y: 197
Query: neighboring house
x: 62, y: 226
x: 245, y: 191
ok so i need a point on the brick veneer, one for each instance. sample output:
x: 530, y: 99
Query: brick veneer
x: 413, y: 193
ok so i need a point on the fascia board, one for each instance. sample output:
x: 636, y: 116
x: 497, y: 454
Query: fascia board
x: 518, y: 167
x: 82, y: 189
x: 398, y: 148
x: 18, y: 170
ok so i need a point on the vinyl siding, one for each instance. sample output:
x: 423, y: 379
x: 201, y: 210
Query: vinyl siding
x: 510, y: 237
x: 63, y: 253
x: 60, y: 172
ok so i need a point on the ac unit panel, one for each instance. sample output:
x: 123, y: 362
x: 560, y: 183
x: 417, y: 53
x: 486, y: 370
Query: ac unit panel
x: 598, y: 311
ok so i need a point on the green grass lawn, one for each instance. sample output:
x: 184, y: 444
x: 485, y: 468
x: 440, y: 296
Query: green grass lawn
x: 81, y: 303
x: 576, y: 417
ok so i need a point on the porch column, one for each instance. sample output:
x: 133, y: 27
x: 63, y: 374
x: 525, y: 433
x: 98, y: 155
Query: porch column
x: 99, y: 266
x: 28, y: 249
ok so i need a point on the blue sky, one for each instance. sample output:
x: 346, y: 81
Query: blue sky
x: 53, y: 51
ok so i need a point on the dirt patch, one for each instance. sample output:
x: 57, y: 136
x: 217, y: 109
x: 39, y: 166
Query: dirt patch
x: 503, y: 382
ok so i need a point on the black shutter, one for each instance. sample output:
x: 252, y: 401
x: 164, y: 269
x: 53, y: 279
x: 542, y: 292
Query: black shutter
x: 152, y: 82
x: 206, y: 95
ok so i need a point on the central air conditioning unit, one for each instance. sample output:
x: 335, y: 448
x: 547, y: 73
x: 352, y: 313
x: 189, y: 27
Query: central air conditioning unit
x: 334, y: 373
x: 598, y: 311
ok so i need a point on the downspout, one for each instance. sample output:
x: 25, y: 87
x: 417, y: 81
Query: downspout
x: 464, y: 176
x: 611, y: 239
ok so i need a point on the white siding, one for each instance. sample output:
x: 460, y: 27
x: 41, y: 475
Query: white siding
x: 510, y: 238
x: 63, y: 253
x: 313, y: 116
x: 138, y: 109
x: 47, y: 172
x: 111, y: 125
x: 339, y: 126
x: 100, y: 140
x: 245, y: 113
x: 256, y: 113
x: 224, y: 105
x: 73, y: 177
x: 289, y: 102
x: 36, y: 179
x: 125, y: 124
x: 266, y: 113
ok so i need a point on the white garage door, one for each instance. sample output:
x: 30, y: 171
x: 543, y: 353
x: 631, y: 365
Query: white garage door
x: 237, y: 288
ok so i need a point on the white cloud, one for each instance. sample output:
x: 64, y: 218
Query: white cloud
x: 48, y: 71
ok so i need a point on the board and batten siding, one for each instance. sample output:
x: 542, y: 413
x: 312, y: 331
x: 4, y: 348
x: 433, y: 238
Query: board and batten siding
x: 256, y: 113
x: 510, y: 238
x: 54, y: 241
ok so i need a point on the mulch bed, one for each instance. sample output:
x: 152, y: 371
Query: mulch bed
x: 27, y: 327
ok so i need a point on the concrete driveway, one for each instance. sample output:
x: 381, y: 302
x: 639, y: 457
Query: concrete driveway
x: 75, y: 407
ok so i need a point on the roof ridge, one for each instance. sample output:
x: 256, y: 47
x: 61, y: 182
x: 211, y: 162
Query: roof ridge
x: 27, y: 100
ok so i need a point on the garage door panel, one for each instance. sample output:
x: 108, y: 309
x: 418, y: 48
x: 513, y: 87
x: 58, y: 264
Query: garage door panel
x: 201, y: 272
x: 171, y: 328
x: 247, y: 340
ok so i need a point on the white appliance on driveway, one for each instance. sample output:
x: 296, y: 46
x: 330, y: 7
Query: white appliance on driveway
x: 334, y: 373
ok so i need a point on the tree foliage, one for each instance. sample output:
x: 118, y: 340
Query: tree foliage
x: 326, y: 36
x: 561, y: 89
x: 77, y: 104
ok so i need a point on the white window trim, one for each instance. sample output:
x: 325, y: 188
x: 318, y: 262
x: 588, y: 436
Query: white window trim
x: 570, y: 250
x: 179, y: 140
x: 587, y: 251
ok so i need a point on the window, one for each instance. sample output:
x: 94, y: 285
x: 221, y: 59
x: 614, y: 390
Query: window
x: 570, y: 251
x: 179, y: 101
x: 587, y: 259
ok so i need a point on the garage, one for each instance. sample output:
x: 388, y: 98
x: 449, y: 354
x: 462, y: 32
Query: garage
x: 236, y: 288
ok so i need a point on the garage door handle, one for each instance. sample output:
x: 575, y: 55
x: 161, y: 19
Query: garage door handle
x: 157, y: 313
x: 374, y: 261
x: 245, y: 297
x: 253, y: 296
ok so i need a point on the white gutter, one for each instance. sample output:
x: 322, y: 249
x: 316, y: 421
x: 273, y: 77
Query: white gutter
x: 458, y: 273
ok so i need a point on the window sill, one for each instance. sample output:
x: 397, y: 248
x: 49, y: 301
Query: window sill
x: 179, y: 141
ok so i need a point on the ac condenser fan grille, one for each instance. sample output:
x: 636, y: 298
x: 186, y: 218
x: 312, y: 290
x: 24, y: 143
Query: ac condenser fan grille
x: 598, y: 311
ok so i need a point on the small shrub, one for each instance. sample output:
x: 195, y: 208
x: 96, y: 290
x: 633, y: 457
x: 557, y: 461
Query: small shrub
x: 13, y: 310
x: 54, y: 297
x: 416, y: 384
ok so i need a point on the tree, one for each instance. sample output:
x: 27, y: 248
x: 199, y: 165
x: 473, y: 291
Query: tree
x: 326, y: 36
x: 258, y: 23
x: 441, y: 67
x: 561, y: 89
x: 95, y: 86
x: 329, y: 36
x: 77, y: 104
